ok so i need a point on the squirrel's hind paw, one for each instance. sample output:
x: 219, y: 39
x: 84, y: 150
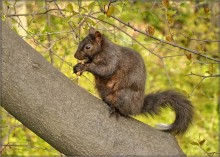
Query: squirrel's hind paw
x: 114, y: 112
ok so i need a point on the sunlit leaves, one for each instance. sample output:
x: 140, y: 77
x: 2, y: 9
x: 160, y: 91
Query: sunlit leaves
x: 3, y: 17
x: 150, y: 30
x: 169, y: 38
x: 200, y: 47
x: 171, y: 12
x: 206, y: 10
x: 194, y: 143
x: 7, y: 4
x: 67, y: 19
x: 90, y: 21
x: 170, y: 21
x: 46, y: 29
x: 188, y: 55
x: 202, y: 142
x: 199, y: 143
x: 110, y: 11
x: 69, y: 7
x: 101, y: 17
x: 91, y: 5
x: 166, y: 3
x: 211, y: 69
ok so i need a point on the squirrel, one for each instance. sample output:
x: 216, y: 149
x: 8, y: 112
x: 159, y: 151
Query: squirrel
x: 120, y: 77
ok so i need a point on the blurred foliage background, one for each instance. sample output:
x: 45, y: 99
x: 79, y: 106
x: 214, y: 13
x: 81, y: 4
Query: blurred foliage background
x: 54, y: 28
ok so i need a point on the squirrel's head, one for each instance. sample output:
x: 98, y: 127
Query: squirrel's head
x: 90, y: 46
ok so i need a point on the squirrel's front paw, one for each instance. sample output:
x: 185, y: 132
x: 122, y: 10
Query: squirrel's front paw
x: 79, y: 68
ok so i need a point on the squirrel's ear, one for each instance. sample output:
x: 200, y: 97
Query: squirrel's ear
x: 91, y: 30
x: 98, y: 37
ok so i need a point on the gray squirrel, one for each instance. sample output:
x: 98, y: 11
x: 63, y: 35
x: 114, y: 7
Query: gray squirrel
x: 120, y: 77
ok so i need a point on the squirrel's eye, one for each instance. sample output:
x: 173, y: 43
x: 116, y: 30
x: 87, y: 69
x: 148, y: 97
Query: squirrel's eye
x: 88, y: 47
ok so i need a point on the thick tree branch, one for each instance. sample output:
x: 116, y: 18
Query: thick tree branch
x: 65, y: 115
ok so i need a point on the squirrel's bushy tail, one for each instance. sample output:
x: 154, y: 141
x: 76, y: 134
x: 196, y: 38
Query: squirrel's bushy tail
x: 178, y: 102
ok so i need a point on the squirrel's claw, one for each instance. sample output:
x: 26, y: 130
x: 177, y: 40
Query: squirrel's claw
x: 78, y: 68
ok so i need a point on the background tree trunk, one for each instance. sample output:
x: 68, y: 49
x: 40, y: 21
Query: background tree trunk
x: 66, y: 116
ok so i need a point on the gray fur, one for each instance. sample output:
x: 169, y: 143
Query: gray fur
x: 120, y: 77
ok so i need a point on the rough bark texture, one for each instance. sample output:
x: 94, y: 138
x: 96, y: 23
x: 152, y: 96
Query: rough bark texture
x: 65, y: 115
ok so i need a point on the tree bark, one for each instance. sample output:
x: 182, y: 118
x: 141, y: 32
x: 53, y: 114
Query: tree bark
x: 66, y: 116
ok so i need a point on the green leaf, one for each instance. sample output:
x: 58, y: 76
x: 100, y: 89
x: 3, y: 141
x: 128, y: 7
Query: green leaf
x: 183, y: 4
x: 3, y: 17
x: 15, y: 29
x: 201, y: 142
x: 67, y: 19
x: 67, y: 52
x: 211, y: 69
x: 101, y: 17
x: 170, y: 21
x: 90, y: 6
x: 171, y: 12
x: 69, y: 7
x: 7, y: 3
x: 117, y: 10
x: 90, y: 21
x: 194, y: 143
x: 46, y: 29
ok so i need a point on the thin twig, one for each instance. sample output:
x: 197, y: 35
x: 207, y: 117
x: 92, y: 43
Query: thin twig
x: 111, y: 1
x: 60, y: 10
x: 166, y: 72
x: 38, y: 43
x: 209, y: 41
x: 48, y: 35
x: 51, y: 33
x: 173, y: 56
x: 77, y: 35
x: 33, y: 14
x: 197, y: 85
x: 204, y: 76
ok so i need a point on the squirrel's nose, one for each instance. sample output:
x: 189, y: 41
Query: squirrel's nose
x: 78, y: 55
x: 75, y: 55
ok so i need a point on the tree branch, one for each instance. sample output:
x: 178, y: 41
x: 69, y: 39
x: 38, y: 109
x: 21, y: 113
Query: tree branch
x: 208, y: 41
x: 165, y: 42
x: 50, y: 46
x: 34, y: 14
x: 65, y: 115
x: 155, y: 38
x: 204, y: 76
x: 132, y: 27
